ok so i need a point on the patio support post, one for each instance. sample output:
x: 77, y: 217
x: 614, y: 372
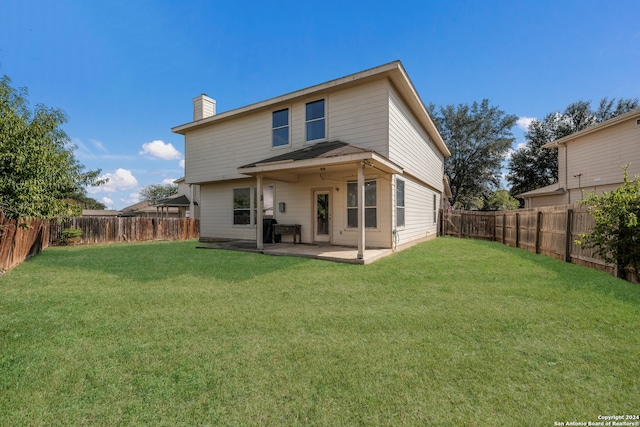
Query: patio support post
x: 192, y: 206
x: 259, y: 211
x: 361, y: 211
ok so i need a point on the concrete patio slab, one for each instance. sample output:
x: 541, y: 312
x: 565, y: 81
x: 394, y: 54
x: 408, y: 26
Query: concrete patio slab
x: 323, y: 252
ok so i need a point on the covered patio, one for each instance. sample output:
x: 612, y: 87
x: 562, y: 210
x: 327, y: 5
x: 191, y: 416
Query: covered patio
x: 320, y: 159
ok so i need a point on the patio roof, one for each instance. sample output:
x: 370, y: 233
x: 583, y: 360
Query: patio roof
x: 283, y: 167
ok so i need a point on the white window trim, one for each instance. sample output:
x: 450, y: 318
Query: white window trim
x: 354, y: 229
x: 288, y: 108
x: 252, y: 207
x: 404, y: 206
x: 313, y: 141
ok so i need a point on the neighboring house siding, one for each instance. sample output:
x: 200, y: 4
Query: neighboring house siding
x: 410, y: 145
x: 538, y: 202
x: 599, y: 156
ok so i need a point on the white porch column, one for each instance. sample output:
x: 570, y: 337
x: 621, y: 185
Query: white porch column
x: 361, y: 212
x: 259, y: 211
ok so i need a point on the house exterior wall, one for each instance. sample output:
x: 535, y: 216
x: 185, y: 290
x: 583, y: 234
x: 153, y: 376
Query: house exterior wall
x: 377, y: 110
x: 357, y: 115
x: 541, y: 201
x: 421, y: 221
x: 599, y: 157
x: 217, y: 209
x: 410, y: 145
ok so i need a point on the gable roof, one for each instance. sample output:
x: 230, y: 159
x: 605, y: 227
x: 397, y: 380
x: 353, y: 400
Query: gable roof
x: 394, y: 71
x: 594, y: 128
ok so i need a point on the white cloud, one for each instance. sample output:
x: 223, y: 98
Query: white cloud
x: 121, y: 180
x: 107, y: 201
x: 132, y: 199
x: 99, y: 145
x: 160, y: 149
x: 168, y: 181
x: 524, y: 122
x: 181, y: 163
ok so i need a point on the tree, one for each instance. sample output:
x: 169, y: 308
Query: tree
x: 499, y: 200
x: 479, y: 138
x: 38, y: 170
x: 616, y: 234
x: 532, y: 166
x: 154, y: 193
x: 84, y: 202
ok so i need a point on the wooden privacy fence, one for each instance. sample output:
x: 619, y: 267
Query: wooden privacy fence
x: 20, y: 240
x: 126, y: 229
x: 550, y: 231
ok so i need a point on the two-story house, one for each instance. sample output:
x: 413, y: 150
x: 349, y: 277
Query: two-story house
x: 591, y: 161
x: 355, y: 161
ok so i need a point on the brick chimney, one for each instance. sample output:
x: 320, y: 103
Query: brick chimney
x: 203, y: 107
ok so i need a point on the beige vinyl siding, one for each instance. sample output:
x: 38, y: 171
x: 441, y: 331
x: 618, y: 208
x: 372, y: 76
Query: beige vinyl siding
x: 554, y: 200
x: 599, y: 156
x: 410, y: 145
x: 216, y: 211
x: 215, y: 152
x: 418, y: 212
x: 380, y: 237
x: 359, y: 116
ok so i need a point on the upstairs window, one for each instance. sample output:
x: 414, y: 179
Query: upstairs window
x: 315, y: 124
x: 280, y: 126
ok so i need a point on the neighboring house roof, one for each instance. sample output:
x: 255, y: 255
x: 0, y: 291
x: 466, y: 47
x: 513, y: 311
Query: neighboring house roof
x: 180, y: 200
x: 394, y: 71
x: 549, y: 190
x: 99, y: 212
x: 594, y: 128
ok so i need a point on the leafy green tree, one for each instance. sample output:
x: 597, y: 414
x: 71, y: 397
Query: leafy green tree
x: 479, y: 138
x: 532, y: 166
x: 616, y: 234
x: 154, y: 193
x: 499, y: 200
x: 84, y: 202
x: 38, y: 170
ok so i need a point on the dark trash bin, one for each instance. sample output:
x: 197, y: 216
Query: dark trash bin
x: 267, y: 230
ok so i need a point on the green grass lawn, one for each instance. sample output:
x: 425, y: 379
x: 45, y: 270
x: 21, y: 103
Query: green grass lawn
x: 450, y: 332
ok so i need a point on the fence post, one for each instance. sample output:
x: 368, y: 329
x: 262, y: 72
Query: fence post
x: 517, y: 230
x: 504, y: 229
x: 567, y: 251
x: 538, y: 226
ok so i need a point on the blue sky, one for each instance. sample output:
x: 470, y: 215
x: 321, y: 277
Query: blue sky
x: 125, y: 72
